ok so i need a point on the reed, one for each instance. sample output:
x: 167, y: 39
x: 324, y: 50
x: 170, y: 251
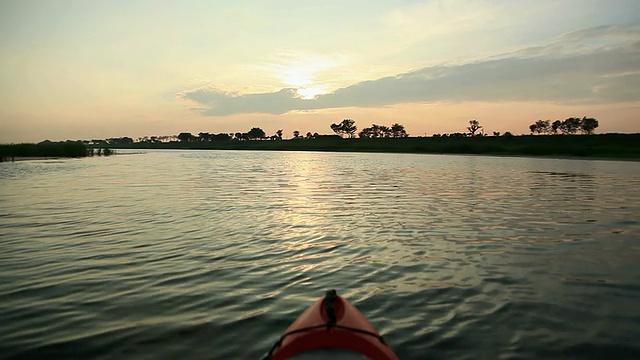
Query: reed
x: 49, y: 149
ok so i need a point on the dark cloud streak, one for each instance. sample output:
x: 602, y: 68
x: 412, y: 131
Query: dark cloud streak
x: 604, y: 74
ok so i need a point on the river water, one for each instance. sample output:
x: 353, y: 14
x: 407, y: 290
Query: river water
x: 211, y: 254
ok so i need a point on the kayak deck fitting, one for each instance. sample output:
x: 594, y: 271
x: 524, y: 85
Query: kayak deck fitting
x: 331, y: 328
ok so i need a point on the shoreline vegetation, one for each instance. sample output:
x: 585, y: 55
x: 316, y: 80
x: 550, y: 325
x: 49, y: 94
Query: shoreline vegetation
x: 603, y: 146
x: 553, y: 139
x: 616, y: 146
x: 50, y: 150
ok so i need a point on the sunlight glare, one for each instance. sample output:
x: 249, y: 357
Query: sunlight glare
x: 311, y: 92
x: 301, y: 73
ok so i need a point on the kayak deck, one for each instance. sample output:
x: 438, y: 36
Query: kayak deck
x: 333, y: 354
x: 335, y: 325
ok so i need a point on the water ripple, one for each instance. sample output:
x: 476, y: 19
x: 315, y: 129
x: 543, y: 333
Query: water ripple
x: 211, y: 254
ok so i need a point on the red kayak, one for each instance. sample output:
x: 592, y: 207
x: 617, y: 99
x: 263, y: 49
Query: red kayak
x: 331, y: 328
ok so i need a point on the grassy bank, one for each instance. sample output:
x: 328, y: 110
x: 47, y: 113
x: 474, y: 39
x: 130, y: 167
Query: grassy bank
x: 625, y: 146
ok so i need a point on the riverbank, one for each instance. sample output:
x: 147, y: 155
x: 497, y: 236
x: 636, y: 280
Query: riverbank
x: 606, y: 146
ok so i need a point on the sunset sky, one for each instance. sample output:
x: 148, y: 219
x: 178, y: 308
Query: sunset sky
x: 98, y: 69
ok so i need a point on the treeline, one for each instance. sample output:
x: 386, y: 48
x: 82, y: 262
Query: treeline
x: 606, y: 145
x: 112, y: 141
x: 347, y: 129
x: 569, y: 126
x: 378, y: 138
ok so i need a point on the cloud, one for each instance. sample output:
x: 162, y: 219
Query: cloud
x: 584, y: 41
x: 218, y: 103
x: 596, y: 65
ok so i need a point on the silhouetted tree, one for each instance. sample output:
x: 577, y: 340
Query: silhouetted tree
x: 540, y: 127
x: 398, y: 131
x: 296, y: 134
x: 365, y: 133
x: 256, y: 133
x: 570, y: 125
x: 496, y: 133
x: 119, y: 141
x: 346, y: 127
x: 220, y: 136
x: 370, y: 132
x: 279, y: 134
x: 474, y: 125
x: 379, y: 131
x: 309, y: 135
x: 336, y: 128
x: 186, y: 137
x: 555, y: 126
x: 544, y: 126
x: 376, y: 131
x: 588, y: 125
x: 349, y: 127
x: 458, y: 134
x: 204, y: 136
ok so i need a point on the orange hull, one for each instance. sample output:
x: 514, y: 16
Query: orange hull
x: 332, y: 322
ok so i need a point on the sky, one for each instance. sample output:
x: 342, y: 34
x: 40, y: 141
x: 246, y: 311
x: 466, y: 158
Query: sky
x: 93, y: 69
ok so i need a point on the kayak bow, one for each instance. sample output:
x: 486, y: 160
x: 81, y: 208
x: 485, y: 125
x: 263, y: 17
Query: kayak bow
x: 335, y: 324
